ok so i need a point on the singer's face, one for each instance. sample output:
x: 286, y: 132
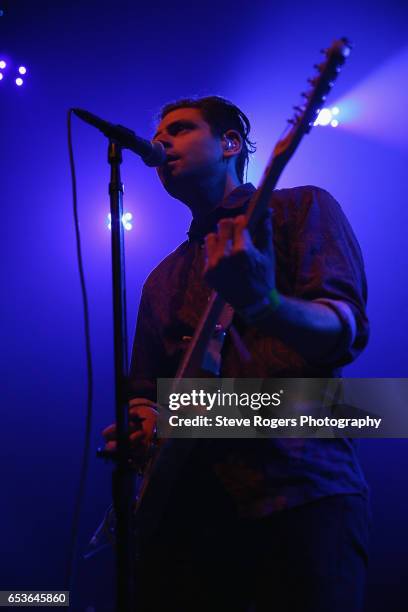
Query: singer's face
x: 194, y: 153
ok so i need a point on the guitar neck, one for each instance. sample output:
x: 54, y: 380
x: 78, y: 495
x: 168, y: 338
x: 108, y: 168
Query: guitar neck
x: 260, y: 201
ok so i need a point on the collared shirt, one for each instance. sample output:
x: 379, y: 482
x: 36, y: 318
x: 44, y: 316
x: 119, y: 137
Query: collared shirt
x: 317, y: 257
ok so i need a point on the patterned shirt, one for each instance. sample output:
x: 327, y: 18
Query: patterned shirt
x: 317, y: 257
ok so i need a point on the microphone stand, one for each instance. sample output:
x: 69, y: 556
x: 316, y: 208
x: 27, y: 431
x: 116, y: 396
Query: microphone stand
x: 123, y: 474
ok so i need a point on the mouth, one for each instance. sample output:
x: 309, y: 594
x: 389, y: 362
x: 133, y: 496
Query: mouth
x: 171, y: 158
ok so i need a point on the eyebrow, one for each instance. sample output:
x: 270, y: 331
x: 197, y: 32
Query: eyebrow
x: 173, y: 124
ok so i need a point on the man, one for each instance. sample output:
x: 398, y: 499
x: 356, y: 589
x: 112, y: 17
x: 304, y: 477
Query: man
x: 277, y: 524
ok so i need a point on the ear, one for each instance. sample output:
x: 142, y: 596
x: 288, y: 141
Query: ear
x: 231, y: 143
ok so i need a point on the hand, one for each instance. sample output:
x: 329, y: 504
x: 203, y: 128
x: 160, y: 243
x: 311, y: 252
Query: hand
x: 242, y: 273
x: 142, y: 426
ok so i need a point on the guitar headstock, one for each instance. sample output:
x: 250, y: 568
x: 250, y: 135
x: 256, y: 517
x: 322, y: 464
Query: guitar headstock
x: 321, y: 84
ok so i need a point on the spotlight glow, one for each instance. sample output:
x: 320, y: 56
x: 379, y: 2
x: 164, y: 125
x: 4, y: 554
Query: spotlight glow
x: 324, y: 117
x: 375, y: 107
x: 19, y: 82
x: 1, y: 75
x: 22, y: 70
x: 126, y: 218
x: 2, y: 64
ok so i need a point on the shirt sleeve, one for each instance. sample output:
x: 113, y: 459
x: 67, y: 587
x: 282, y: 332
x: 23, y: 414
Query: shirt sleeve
x: 146, y: 351
x: 329, y: 264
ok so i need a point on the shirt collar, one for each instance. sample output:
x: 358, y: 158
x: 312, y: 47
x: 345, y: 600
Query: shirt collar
x: 234, y: 204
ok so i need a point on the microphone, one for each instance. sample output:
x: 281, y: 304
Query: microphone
x: 152, y: 153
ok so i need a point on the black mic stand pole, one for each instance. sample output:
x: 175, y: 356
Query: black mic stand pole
x: 123, y: 474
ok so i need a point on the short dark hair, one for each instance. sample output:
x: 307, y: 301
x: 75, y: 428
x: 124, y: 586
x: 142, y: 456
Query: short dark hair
x: 221, y: 115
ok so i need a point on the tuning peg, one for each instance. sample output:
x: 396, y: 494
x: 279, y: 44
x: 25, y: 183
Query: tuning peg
x: 319, y: 67
x: 305, y: 94
x: 292, y: 121
x: 313, y: 80
x: 299, y: 109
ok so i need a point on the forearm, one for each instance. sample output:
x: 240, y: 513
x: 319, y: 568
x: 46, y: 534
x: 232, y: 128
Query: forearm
x: 316, y: 330
x: 320, y: 332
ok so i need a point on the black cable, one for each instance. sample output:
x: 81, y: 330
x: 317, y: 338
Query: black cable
x: 69, y: 577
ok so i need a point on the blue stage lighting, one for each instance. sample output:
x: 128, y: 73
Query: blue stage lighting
x: 2, y: 64
x: 1, y: 75
x: 19, y: 82
x: 325, y: 117
x: 22, y: 70
x: 126, y: 218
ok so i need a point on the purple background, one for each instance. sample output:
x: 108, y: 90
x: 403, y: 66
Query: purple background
x: 122, y: 62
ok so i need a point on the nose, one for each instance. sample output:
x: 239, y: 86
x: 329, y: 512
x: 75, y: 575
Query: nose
x: 167, y: 143
x: 165, y: 140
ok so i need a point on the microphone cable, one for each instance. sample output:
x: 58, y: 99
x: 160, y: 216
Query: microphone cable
x: 73, y: 542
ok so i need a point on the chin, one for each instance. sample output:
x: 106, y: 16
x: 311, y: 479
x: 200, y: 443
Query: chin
x: 179, y: 186
x: 175, y: 177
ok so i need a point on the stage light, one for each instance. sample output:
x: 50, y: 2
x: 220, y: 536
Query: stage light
x: 126, y: 218
x: 11, y: 71
x: 325, y: 117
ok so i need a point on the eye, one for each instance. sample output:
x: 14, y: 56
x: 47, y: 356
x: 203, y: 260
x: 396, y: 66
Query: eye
x: 180, y: 128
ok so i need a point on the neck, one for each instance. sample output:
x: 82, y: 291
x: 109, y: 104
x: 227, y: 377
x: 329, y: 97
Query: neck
x: 201, y: 199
